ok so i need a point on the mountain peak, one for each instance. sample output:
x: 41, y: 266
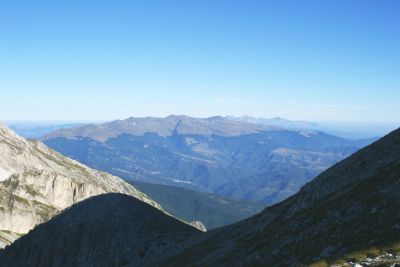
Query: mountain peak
x: 6, y: 132
x: 11, y: 138
x: 173, y: 116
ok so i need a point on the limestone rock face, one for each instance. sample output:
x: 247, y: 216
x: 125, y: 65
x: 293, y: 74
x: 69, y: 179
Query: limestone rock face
x: 36, y: 183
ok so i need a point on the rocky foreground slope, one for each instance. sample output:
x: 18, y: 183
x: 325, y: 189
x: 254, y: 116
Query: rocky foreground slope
x: 352, y: 206
x: 36, y: 183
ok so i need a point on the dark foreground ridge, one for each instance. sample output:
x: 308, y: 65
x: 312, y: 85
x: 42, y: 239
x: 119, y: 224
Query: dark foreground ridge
x: 106, y: 230
x: 353, y: 205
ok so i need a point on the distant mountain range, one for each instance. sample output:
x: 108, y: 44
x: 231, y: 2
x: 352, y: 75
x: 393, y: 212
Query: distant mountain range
x: 218, y: 155
x: 279, y: 122
x: 37, y: 130
x: 351, y: 131
x: 168, y: 126
x: 351, y: 206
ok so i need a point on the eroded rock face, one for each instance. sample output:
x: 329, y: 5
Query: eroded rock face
x: 36, y: 183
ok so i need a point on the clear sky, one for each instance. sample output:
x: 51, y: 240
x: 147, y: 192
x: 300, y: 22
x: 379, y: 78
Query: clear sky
x: 100, y: 60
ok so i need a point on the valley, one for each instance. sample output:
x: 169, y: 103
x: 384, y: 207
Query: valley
x: 234, y: 159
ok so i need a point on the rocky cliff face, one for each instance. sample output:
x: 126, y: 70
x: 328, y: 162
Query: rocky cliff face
x: 36, y: 183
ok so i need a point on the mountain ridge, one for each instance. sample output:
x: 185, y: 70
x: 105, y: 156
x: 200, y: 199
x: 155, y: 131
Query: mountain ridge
x: 167, y: 126
x: 265, y: 166
x: 279, y: 122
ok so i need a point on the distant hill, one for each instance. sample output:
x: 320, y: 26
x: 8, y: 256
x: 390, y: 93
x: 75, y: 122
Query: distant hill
x: 212, y: 210
x: 353, y: 205
x: 351, y: 131
x: 34, y: 130
x: 216, y: 155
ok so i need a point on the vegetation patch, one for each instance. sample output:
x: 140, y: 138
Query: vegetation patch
x: 359, y: 255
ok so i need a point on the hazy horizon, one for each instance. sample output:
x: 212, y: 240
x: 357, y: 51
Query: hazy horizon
x: 354, y: 129
x: 100, y: 120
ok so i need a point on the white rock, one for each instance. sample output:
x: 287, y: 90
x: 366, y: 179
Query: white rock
x: 4, y: 174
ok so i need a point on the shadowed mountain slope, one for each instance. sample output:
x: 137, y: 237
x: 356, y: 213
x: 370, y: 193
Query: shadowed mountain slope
x: 106, y: 230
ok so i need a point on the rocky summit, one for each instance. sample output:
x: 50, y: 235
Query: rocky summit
x: 36, y: 183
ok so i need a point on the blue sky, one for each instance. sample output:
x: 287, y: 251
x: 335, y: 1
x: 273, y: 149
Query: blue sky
x: 101, y: 60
